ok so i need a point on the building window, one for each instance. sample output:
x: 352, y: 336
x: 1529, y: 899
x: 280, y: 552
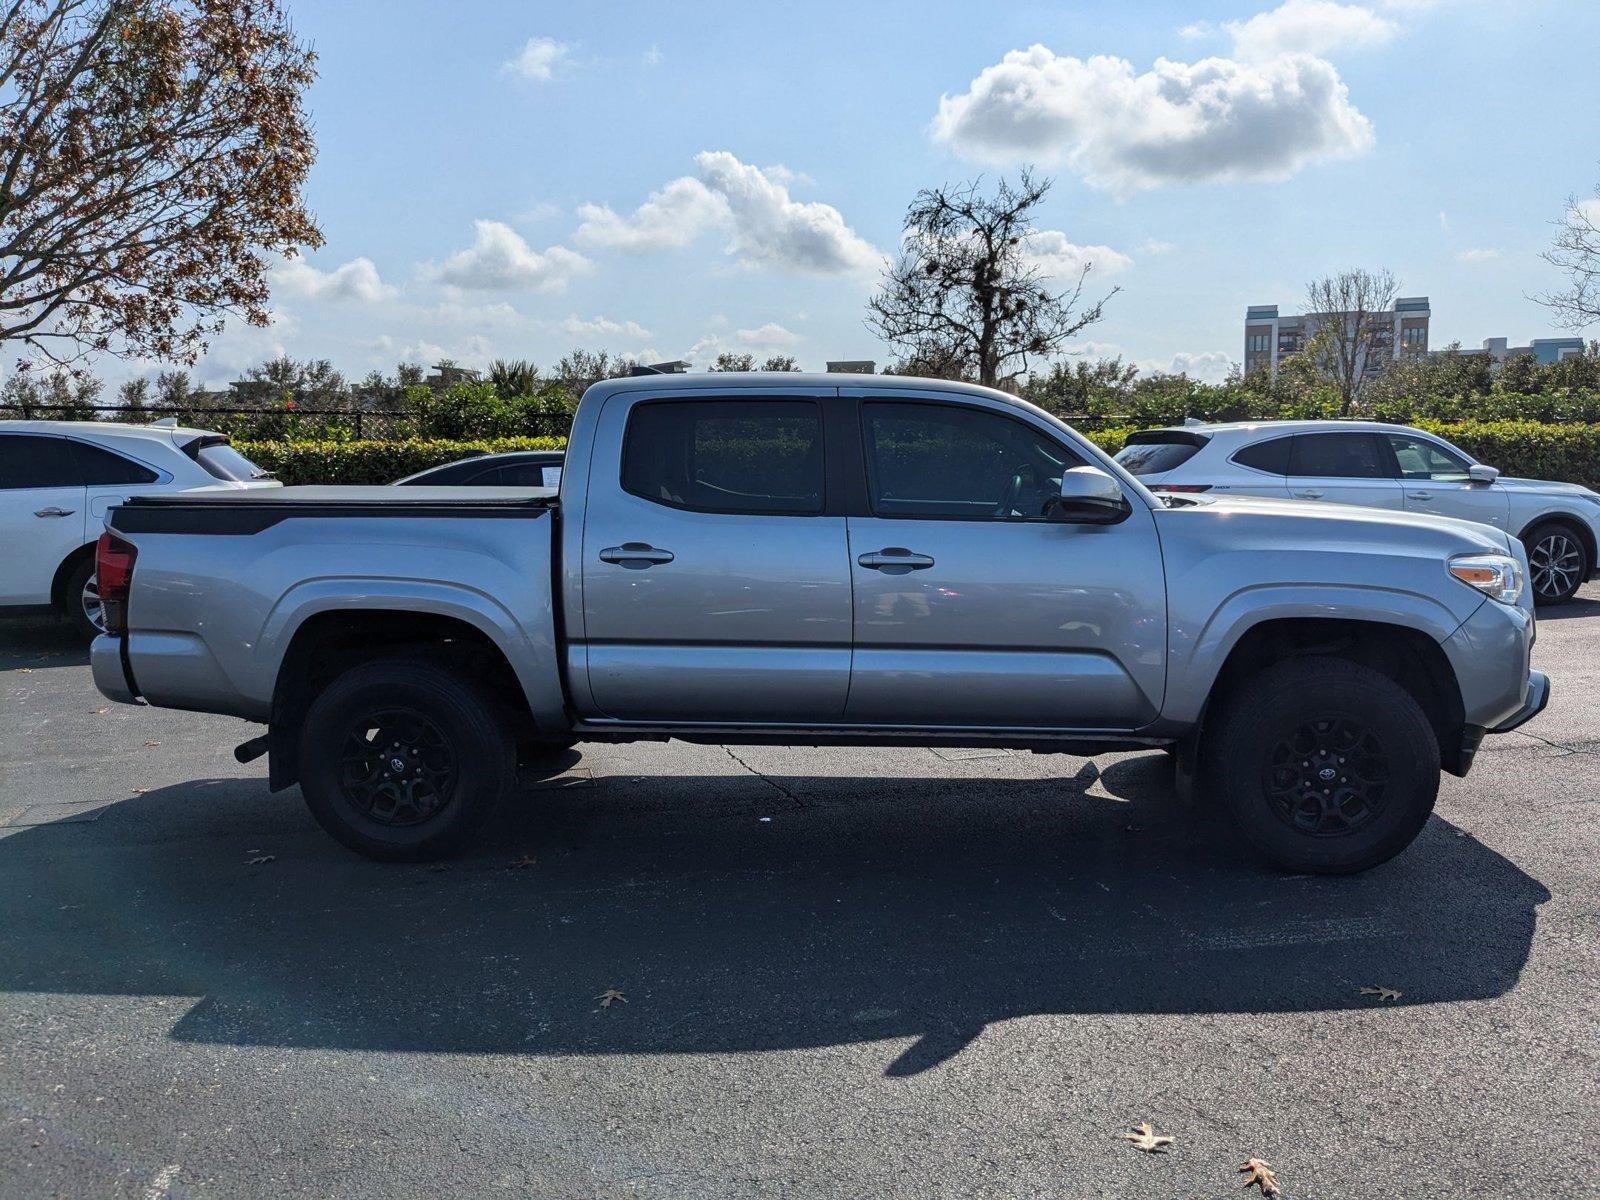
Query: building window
x: 1257, y: 343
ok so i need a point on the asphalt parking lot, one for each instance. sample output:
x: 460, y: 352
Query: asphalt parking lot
x: 844, y: 973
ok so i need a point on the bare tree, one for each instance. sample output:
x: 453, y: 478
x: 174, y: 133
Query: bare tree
x: 964, y: 292
x: 1347, y: 334
x: 1577, y: 252
x: 152, y: 154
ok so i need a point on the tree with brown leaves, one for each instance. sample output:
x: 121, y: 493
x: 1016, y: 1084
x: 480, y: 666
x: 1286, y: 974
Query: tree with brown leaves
x: 964, y: 294
x: 152, y: 156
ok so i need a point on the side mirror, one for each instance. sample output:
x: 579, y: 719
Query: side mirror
x: 1479, y: 473
x: 1088, y: 497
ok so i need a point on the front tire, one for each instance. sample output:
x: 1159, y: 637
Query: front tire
x: 1558, y: 562
x: 403, y: 759
x: 1326, y: 765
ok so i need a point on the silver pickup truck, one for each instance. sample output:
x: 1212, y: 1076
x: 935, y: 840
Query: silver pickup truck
x: 825, y: 560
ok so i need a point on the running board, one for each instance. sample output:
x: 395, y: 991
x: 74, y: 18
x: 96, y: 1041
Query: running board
x: 1085, y: 744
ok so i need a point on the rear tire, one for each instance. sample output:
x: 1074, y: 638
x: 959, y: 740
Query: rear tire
x: 403, y: 759
x: 1558, y: 562
x: 1326, y: 765
x: 81, y: 601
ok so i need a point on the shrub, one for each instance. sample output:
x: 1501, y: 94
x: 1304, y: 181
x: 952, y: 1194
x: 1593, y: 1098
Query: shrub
x: 1532, y: 449
x: 373, y: 462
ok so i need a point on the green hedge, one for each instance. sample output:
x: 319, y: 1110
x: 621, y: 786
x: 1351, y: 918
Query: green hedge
x: 1530, y: 449
x: 372, y: 461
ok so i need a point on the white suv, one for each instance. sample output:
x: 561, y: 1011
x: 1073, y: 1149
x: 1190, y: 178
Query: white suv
x: 58, y: 478
x: 1379, y: 466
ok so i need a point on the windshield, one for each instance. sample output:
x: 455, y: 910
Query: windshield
x: 224, y: 462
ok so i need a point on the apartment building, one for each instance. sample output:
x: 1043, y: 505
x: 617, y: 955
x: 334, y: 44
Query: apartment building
x: 1270, y: 337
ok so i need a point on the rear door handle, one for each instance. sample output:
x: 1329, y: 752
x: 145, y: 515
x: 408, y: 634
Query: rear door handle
x: 635, y: 555
x: 1422, y: 495
x: 54, y: 512
x: 1309, y: 494
x: 895, y: 558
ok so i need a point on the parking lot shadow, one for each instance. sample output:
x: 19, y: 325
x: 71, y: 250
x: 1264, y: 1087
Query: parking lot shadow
x: 738, y: 913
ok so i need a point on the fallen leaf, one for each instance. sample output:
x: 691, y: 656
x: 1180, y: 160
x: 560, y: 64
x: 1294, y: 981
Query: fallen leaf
x: 24, y: 670
x: 1259, y: 1172
x: 140, y: 791
x: 527, y: 860
x: 609, y: 997
x: 259, y: 860
x: 148, y: 743
x: 1144, y: 1137
x: 102, y: 710
x: 1382, y: 993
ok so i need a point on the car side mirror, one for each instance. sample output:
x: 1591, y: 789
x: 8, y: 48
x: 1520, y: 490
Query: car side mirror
x: 1479, y: 473
x: 1088, y: 497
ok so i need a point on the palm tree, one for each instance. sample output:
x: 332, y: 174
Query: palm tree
x: 514, y: 377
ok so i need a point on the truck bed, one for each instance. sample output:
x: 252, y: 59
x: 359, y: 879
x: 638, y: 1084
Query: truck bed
x: 233, y: 511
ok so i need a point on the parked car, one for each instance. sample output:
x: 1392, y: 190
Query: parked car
x: 825, y: 560
x: 59, y: 478
x: 1379, y: 466
x: 515, y: 468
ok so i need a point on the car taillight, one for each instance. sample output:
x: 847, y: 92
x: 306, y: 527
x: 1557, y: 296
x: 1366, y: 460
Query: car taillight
x: 1180, y: 487
x: 113, y: 572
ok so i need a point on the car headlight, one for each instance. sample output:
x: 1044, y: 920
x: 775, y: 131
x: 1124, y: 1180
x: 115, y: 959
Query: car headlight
x: 1497, y: 576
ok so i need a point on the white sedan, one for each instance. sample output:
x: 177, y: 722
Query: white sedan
x: 58, y: 478
x: 1379, y: 466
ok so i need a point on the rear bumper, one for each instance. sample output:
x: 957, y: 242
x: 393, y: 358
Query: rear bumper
x: 109, y: 671
x: 1538, y: 697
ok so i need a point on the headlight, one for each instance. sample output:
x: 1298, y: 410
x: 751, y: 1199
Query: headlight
x: 1495, y: 575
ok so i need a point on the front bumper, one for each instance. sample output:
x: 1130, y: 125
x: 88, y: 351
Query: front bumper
x: 1538, y: 697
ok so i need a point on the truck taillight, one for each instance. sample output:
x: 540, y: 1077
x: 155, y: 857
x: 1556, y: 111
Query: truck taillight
x: 113, y: 572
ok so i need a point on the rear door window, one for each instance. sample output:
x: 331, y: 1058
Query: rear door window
x: 1271, y: 456
x: 100, y: 468
x: 1339, y: 456
x: 27, y: 461
x: 730, y: 456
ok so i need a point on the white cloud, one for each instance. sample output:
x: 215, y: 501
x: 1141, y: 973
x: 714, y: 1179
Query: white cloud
x: 651, y: 57
x: 1196, y: 31
x: 1309, y: 27
x: 1588, y: 210
x: 770, y: 336
x: 1477, y: 254
x: 752, y: 207
x: 538, y: 60
x: 1154, y: 246
x: 499, y: 259
x: 672, y: 217
x: 605, y: 327
x: 1208, y: 366
x: 1217, y: 119
x: 767, y: 339
x: 1050, y: 252
x: 355, y: 280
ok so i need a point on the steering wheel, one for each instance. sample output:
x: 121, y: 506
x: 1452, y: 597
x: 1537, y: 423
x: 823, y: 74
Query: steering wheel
x: 1013, y: 494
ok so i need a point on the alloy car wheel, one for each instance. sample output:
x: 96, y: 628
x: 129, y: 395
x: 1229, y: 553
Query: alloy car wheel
x: 1556, y: 564
x: 93, y: 610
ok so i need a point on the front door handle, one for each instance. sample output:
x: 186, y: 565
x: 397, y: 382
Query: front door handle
x: 895, y: 559
x: 635, y: 555
x: 1422, y: 495
x: 54, y: 512
x: 1309, y: 494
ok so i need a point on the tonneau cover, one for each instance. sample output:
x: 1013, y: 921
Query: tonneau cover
x: 364, y: 497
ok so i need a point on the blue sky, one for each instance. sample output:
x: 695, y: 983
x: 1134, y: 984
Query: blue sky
x: 482, y: 166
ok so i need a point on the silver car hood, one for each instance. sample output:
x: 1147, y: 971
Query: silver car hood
x: 1544, y: 487
x: 1374, y: 520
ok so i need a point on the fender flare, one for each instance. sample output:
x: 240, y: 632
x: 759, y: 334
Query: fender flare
x: 1193, y: 671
